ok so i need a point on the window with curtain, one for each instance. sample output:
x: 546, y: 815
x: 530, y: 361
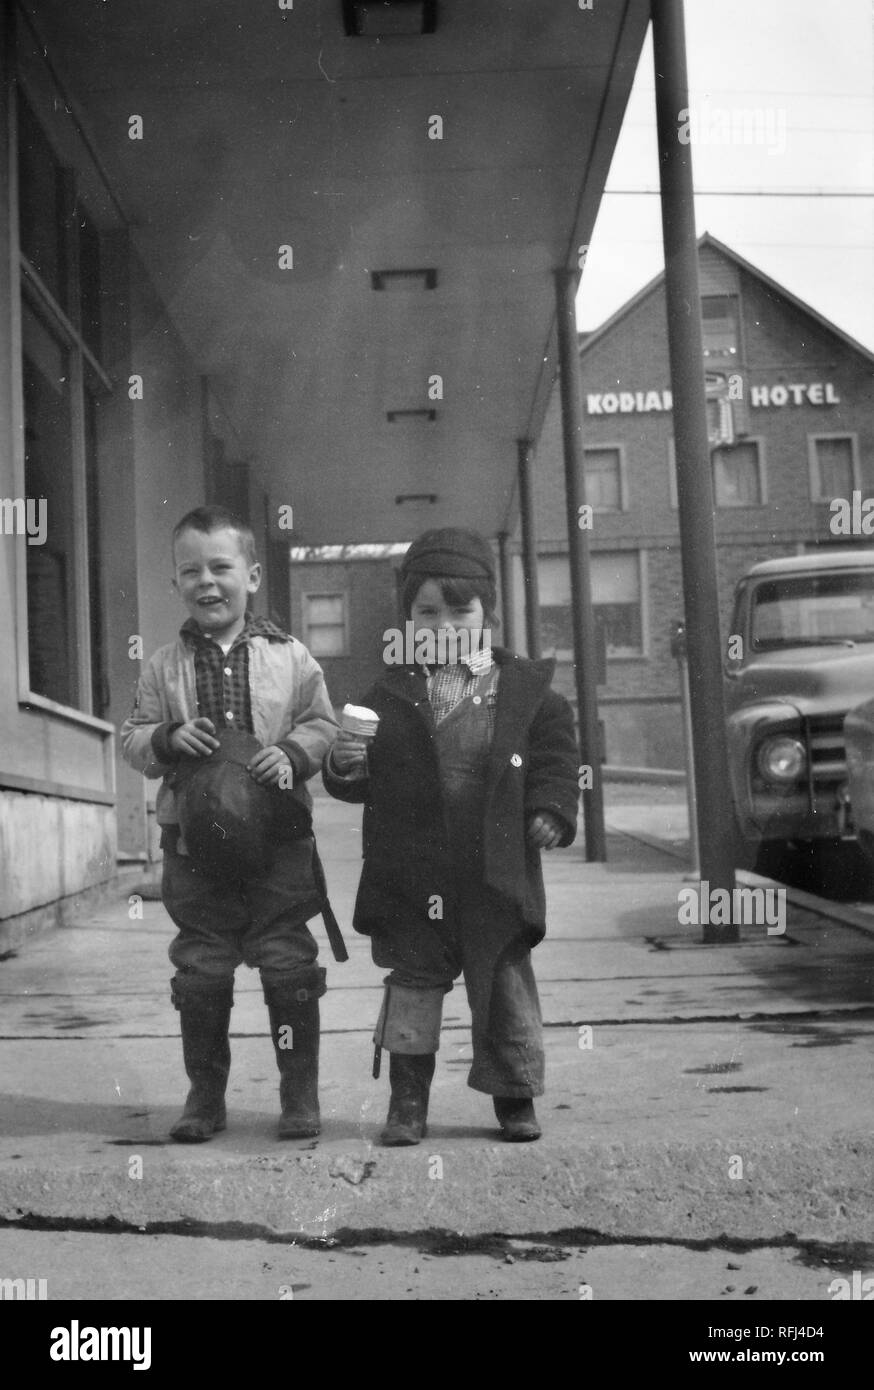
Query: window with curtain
x: 616, y: 598
x: 737, y: 475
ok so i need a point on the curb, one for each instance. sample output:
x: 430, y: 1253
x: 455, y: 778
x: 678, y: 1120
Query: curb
x: 786, y: 1191
x: 845, y: 913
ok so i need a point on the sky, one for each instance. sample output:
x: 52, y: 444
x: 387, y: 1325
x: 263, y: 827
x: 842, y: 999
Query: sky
x: 807, y: 68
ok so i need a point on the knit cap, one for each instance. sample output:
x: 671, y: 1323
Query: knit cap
x: 450, y: 551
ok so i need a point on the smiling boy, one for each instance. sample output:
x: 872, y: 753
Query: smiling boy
x: 229, y: 670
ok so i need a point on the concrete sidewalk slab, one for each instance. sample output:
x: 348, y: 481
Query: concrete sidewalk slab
x: 721, y: 1089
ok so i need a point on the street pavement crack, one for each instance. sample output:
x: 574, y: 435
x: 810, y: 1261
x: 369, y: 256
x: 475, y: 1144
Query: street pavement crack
x: 832, y: 1255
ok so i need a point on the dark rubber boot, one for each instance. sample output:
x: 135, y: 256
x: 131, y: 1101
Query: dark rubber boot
x: 410, y: 1076
x: 294, y: 1027
x: 517, y: 1119
x: 204, y: 1016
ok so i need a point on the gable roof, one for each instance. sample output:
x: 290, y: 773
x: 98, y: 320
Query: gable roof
x: 706, y: 240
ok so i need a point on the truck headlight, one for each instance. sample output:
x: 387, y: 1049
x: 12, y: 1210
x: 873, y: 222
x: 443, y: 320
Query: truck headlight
x: 782, y: 760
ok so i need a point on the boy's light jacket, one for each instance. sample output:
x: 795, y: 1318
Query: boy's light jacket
x: 290, y: 707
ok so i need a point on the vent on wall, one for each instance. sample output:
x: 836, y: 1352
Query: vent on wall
x: 387, y: 19
x: 389, y: 280
x: 420, y: 413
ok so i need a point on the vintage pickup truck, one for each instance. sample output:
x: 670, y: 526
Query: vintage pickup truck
x: 800, y: 655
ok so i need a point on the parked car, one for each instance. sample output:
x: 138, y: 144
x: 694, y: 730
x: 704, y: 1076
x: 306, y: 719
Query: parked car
x: 859, y: 736
x: 804, y: 658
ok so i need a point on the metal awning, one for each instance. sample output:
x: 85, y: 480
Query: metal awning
x: 266, y: 128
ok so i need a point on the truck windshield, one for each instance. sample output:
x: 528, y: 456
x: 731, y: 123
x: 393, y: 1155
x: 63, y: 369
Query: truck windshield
x: 811, y: 609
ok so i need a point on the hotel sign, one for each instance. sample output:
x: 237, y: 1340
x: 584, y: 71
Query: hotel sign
x: 642, y: 402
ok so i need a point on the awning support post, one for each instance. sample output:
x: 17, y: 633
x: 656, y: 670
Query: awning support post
x: 694, y: 479
x: 578, y: 527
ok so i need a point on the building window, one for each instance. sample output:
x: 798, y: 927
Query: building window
x: 834, y: 470
x: 49, y: 473
x: 62, y: 385
x: 605, y: 478
x: 719, y: 327
x: 738, y: 474
x: 324, y: 624
x: 41, y: 205
x: 616, y: 598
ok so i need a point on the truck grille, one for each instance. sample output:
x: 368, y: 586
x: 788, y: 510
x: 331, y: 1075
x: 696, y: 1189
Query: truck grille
x: 826, y: 751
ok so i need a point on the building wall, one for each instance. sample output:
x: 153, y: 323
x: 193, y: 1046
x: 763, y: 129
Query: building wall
x: 69, y: 805
x: 57, y: 829
x: 780, y: 345
x: 371, y: 605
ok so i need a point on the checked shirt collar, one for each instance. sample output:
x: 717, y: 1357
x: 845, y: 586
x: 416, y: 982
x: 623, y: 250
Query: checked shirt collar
x: 222, y: 678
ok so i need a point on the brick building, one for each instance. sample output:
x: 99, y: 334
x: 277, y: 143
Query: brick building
x: 342, y: 600
x: 798, y: 403
x: 802, y: 419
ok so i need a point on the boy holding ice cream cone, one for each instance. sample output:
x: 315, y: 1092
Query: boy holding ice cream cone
x: 470, y: 773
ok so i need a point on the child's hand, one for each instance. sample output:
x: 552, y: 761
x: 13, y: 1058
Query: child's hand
x: 348, y: 752
x: 266, y: 766
x: 544, y: 830
x: 196, y: 738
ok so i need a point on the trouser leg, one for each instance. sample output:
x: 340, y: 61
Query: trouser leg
x: 278, y: 905
x: 508, y: 1060
x: 409, y: 1029
x: 508, y: 1057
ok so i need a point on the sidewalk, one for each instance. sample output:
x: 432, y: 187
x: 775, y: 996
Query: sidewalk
x: 726, y: 1091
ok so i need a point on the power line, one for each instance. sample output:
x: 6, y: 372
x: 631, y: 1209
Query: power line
x: 790, y: 127
x: 744, y: 193
x: 834, y: 246
x: 762, y: 93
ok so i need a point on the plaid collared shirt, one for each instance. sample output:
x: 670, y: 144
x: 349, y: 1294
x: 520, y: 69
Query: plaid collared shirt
x: 449, y: 685
x: 223, y: 678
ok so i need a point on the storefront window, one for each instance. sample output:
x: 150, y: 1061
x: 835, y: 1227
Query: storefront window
x: 48, y: 474
x: 62, y: 383
x: 89, y: 276
x: 40, y: 204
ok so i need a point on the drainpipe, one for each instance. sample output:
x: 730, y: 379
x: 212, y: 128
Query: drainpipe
x: 508, y: 625
x: 529, y: 549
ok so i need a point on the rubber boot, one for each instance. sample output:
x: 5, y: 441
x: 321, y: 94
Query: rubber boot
x: 517, y: 1118
x: 410, y: 1075
x: 204, y: 1017
x: 294, y: 1027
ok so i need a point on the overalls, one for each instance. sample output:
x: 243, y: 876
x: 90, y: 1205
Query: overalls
x: 507, y: 1030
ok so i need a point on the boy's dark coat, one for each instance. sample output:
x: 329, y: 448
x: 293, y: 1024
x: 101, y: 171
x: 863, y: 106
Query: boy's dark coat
x: 405, y: 843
